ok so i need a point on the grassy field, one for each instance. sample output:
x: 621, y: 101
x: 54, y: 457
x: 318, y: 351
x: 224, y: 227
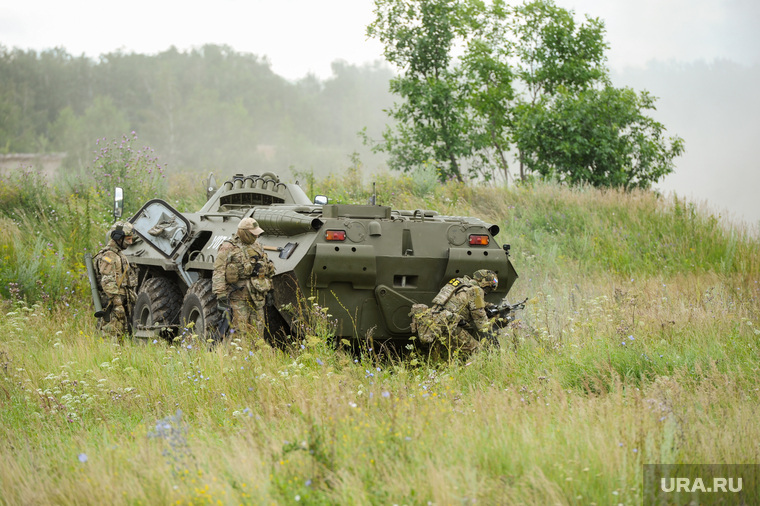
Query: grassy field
x: 639, y: 345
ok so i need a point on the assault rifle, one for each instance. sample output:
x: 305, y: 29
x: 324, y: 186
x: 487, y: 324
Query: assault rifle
x: 503, y: 313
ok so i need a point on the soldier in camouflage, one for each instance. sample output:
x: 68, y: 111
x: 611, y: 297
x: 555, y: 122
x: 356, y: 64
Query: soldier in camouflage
x: 459, y: 304
x: 242, y: 280
x: 116, y: 280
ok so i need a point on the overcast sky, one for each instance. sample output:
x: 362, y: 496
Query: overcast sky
x: 305, y: 36
x: 300, y: 36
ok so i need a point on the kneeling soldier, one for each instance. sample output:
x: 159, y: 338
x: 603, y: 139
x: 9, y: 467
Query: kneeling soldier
x: 459, y: 304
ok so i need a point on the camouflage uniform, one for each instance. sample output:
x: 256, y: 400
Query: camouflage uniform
x: 243, y: 277
x: 116, y: 281
x: 459, y: 303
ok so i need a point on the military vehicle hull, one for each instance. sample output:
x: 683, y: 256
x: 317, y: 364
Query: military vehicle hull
x: 367, y: 263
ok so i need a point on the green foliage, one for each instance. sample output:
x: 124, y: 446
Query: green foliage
x: 47, y: 227
x: 76, y: 134
x: 530, y: 79
x: 601, y: 138
x: 137, y: 170
x: 487, y: 63
x: 40, y: 238
x: 25, y: 188
x: 38, y: 270
x: 431, y: 123
x: 553, y: 51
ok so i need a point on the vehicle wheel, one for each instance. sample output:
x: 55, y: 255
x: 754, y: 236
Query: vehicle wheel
x: 157, y: 304
x: 199, y: 313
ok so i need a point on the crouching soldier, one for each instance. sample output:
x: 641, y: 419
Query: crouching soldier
x: 459, y: 305
x: 117, y: 280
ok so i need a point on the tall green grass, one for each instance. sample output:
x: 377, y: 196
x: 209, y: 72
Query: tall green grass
x: 568, y: 420
x: 639, y: 344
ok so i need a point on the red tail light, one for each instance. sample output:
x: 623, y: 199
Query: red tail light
x: 335, y: 235
x: 479, y: 240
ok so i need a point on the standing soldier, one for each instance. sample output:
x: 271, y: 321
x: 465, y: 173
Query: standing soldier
x: 242, y: 279
x: 460, y: 303
x: 116, y: 280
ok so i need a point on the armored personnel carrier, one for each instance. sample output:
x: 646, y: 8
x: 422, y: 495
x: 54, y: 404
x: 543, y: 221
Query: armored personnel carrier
x: 367, y: 263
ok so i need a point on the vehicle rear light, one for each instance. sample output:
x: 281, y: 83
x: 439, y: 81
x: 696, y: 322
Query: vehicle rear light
x: 335, y: 235
x: 479, y: 240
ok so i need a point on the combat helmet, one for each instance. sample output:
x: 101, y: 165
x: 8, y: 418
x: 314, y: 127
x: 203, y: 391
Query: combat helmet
x: 120, y: 230
x: 486, y: 279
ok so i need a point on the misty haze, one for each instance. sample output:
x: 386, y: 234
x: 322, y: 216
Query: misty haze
x: 213, y: 109
x: 713, y: 107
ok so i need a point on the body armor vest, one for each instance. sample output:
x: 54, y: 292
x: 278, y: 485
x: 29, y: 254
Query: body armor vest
x: 449, y: 289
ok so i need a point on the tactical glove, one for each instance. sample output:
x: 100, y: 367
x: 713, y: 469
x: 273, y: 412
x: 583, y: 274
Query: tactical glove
x: 269, y: 298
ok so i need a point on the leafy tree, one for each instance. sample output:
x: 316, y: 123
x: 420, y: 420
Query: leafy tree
x: 554, y: 51
x: 487, y: 64
x: 431, y: 120
x: 598, y: 137
x: 525, y: 72
x: 572, y: 124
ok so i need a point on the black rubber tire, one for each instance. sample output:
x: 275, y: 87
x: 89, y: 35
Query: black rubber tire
x: 199, y: 310
x: 158, y: 303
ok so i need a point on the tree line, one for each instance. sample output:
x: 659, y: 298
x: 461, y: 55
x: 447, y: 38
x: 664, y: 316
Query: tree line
x: 206, y: 108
